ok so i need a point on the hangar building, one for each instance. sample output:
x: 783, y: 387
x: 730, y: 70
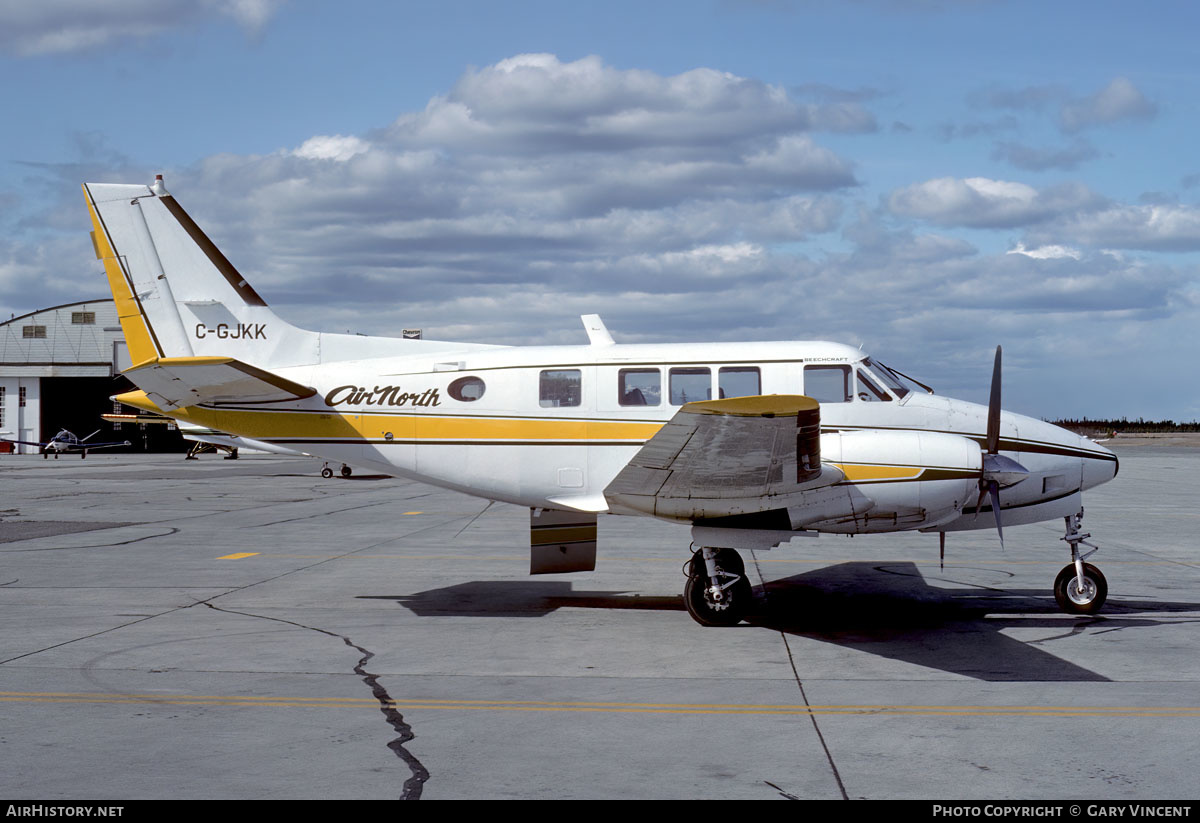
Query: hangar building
x: 58, y: 369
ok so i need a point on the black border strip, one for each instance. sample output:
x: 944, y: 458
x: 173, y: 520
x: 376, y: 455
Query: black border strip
x: 1009, y: 445
x: 988, y: 507
x: 244, y: 289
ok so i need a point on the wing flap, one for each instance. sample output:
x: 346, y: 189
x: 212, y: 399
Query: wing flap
x: 721, y: 458
x: 179, y: 382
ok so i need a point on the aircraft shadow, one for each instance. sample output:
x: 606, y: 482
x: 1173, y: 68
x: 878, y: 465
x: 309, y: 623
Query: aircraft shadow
x: 889, y: 609
x: 885, y: 609
x: 532, y: 598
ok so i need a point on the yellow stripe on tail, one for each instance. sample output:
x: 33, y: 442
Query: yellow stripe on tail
x: 133, y: 321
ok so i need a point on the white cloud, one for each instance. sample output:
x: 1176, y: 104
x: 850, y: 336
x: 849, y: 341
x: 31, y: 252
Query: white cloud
x: 1119, y: 100
x: 982, y: 202
x: 1047, y: 252
x: 331, y: 147
x: 59, y: 26
x: 1149, y: 227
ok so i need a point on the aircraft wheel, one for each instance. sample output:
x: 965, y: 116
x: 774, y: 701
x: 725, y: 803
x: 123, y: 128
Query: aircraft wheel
x: 734, y: 603
x: 327, y: 472
x: 347, y: 471
x: 1069, y: 596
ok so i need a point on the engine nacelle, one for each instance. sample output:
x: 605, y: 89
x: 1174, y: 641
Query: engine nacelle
x: 914, y: 479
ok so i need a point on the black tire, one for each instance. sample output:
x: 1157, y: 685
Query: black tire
x: 736, y: 600
x: 347, y: 471
x: 327, y: 473
x: 1068, y: 597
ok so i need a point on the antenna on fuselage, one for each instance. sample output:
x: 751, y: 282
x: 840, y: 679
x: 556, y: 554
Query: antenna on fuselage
x: 597, y: 332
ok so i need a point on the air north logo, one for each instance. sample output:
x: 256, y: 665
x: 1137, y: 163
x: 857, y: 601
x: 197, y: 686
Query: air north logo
x: 242, y: 331
x: 381, y: 396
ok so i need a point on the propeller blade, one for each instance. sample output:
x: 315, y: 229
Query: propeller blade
x: 982, y: 493
x: 994, y: 491
x: 993, y: 429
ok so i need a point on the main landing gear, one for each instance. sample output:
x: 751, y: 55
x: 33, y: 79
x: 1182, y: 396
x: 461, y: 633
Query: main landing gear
x: 1080, y: 588
x: 327, y: 472
x: 717, y: 592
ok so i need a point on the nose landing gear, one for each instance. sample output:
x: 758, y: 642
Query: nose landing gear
x: 717, y: 592
x: 1080, y: 588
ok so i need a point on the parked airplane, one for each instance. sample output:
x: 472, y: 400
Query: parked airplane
x: 65, y: 441
x: 751, y: 443
x: 203, y: 437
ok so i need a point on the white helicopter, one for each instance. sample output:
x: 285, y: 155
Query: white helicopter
x: 751, y: 443
x: 67, y: 442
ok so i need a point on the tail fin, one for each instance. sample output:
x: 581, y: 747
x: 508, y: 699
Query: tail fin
x: 176, y: 294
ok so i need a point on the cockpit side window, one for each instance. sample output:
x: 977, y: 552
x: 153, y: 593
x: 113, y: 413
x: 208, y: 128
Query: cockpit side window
x: 867, y: 390
x: 827, y: 384
x: 892, y: 380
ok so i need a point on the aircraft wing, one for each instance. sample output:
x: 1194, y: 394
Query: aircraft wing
x: 25, y: 442
x: 723, y: 458
x: 179, y: 382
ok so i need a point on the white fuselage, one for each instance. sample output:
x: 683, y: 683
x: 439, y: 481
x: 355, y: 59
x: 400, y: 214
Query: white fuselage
x: 551, y: 426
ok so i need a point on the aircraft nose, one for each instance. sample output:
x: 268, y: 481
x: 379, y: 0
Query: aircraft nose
x: 1101, y: 468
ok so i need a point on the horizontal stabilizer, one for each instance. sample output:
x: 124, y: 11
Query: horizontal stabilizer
x: 179, y: 382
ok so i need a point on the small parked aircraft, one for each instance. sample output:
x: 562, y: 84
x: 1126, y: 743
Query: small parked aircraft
x: 202, y: 438
x: 752, y: 444
x: 65, y: 441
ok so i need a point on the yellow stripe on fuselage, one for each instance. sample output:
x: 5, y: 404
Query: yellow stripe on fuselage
x: 133, y: 323
x: 858, y: 472
x: 282, y: 425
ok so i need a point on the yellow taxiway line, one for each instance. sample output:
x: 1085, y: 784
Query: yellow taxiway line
x: 415, y: 704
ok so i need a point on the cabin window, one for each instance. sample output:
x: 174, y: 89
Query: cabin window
x: 827, y: 384
x: 739, y: 381
x: 560, y: 387
x: 868, y: 391
x: 690, y: 384
x: 639, y: 387
x: 466, y: 389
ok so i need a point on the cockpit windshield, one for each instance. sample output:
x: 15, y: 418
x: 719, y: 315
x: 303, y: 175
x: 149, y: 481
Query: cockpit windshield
x: 899, y: 384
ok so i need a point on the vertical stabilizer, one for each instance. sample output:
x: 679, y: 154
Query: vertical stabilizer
x: 177, y: 295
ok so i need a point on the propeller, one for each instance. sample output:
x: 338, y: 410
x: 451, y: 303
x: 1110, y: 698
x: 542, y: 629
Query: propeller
x: 998, y: 471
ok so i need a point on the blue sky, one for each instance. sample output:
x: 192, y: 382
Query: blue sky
x: 927, y: 179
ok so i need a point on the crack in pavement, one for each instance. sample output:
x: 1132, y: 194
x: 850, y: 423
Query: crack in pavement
x: 812, y: 716
x: 416, y: 782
